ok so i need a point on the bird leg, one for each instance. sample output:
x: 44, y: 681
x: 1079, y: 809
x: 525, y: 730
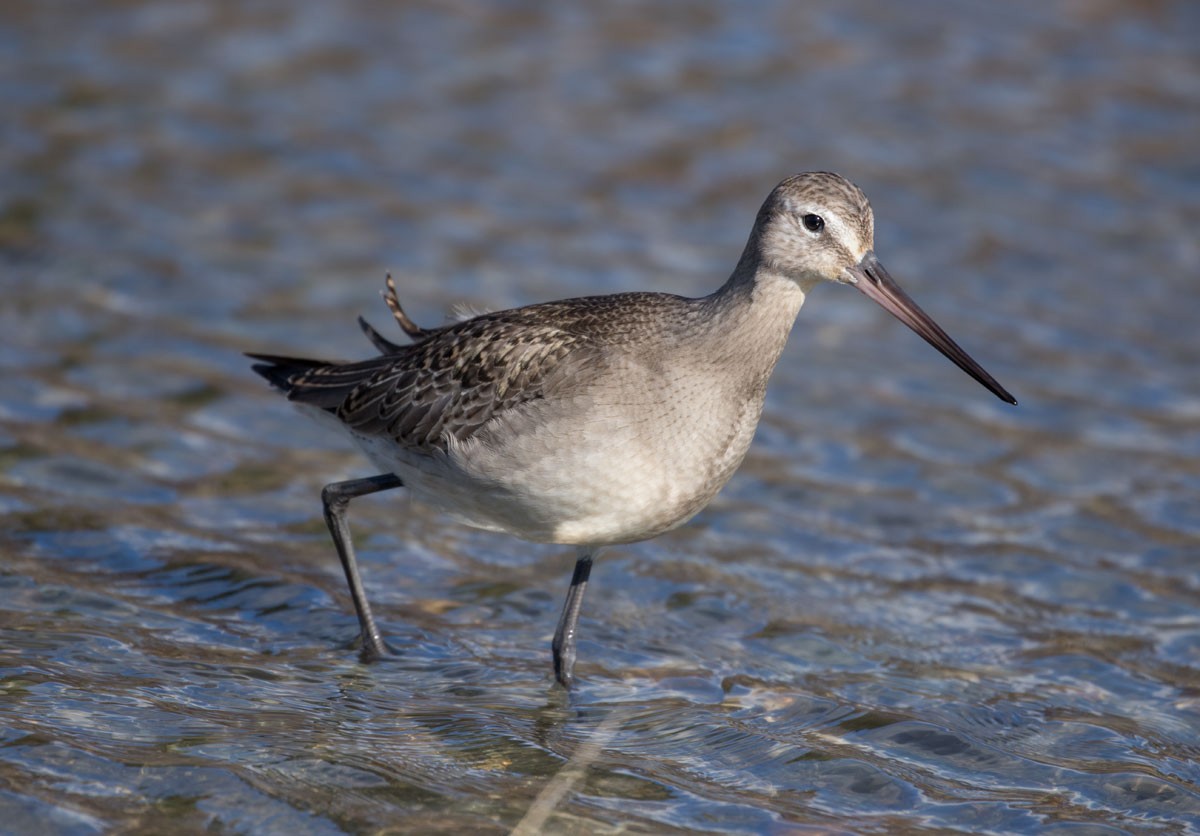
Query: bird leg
x: 336, y: 496
x: 568, y: 623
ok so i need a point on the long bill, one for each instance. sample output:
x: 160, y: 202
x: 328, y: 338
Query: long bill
x: 878, y: 285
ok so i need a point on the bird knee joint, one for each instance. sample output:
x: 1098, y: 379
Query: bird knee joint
x: 333, y: 498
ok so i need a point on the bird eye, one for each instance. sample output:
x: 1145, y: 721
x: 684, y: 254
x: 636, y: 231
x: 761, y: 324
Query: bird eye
x: 813, y: 223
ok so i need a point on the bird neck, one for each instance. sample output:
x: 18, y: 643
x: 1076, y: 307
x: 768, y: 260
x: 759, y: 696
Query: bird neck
x: 751, y: 316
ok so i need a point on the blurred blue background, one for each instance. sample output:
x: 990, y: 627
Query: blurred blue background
x: 914, y: 608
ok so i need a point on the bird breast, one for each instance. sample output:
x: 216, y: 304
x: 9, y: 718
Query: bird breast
x: 625, y: 455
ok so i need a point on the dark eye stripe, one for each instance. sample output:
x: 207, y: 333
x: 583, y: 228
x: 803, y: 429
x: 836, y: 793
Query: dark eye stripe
x: 813, y: 223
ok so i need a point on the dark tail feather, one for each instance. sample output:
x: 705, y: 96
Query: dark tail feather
x: 381, y: 343
x: 316, y: 382
x: 281, y: 372
x: 414, y: 331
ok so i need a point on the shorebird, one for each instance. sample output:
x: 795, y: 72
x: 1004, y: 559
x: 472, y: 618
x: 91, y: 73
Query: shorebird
x: 599, y: 420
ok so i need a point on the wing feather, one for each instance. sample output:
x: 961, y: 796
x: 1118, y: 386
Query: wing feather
x: 454, y: 380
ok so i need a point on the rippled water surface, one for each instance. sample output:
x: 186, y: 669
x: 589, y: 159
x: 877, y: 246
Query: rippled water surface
x: 914, y: 608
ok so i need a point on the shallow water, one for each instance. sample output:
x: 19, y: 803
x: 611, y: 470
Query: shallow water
x: 914, y: 608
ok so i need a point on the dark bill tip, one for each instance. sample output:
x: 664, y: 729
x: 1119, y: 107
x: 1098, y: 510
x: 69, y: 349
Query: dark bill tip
x: 875, y: 282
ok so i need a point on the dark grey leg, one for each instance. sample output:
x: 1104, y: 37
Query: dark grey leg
x: 568, y: 623
x: 336, y: 497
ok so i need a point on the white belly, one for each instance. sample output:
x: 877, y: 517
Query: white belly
x: 587, y: 471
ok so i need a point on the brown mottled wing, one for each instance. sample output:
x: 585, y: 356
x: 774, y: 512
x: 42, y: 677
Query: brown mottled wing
x: 449, y: 385
x: 457, y: 378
